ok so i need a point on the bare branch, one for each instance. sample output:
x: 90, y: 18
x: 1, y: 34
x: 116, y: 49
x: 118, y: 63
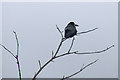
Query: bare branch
x: 76, y: 52
x: 17, y: 42
x: 96, y: 51
x: 16, y: 57
x: 18, y: 63
x: 60, y: 31
x: 60, y: 42
x: 71, y: 44
x: 39, y: 63
x: 58, y: 47
x: 8, y: 51
x: 79, y: 70
x: 87, y: 31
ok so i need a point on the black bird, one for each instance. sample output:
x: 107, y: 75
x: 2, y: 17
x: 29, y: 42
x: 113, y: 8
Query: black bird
x: 70, y: 30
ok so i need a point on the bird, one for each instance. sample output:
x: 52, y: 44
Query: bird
x: 70, y: 30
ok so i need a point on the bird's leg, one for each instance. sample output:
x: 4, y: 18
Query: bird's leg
x: 73, y: 38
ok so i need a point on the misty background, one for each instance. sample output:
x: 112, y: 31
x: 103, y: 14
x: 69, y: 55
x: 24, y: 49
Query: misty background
x: 35, y: 24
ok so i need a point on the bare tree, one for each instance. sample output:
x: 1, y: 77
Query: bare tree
x: 54, y: 55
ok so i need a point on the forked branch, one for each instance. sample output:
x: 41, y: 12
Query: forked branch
x: 79, y: 70
x: 16, y: 57
x: 53, y: 56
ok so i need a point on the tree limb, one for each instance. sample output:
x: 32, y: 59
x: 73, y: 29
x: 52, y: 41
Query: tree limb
x: 8, y: 50
x: 96, y: 51
x: 87, y: 31
x: 17, y: 42
x: 76, y: 52
x: 59, y: 31
x: 60, y: 42
x: 79, y: 70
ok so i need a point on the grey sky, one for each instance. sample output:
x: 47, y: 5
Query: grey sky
x: 38, y: 36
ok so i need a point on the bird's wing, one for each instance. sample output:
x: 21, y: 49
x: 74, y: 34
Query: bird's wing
x: 67, y: 29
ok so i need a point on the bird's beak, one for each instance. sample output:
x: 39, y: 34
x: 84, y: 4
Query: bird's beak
x: 76, y: 25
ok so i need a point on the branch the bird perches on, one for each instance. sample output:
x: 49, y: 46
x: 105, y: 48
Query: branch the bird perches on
x: 54, y: 55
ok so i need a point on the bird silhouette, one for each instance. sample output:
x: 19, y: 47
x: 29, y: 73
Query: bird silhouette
x: 70, y: 30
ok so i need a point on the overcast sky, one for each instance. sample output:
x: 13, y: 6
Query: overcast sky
x: 38, y: 37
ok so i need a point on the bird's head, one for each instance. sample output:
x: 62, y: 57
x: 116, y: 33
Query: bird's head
x: 72, y: 23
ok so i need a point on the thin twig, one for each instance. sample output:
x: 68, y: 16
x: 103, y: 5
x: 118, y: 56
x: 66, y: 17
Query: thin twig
x: 39, y: 63
x: 8, y: 50
x: 17, y: 42
x: 71, y: 44
x: 76, y: 52
x: 96, y: 51
x: 79, y: 70
x: 52, y: 53
x: 87, y: 31
x: 59, y: 31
